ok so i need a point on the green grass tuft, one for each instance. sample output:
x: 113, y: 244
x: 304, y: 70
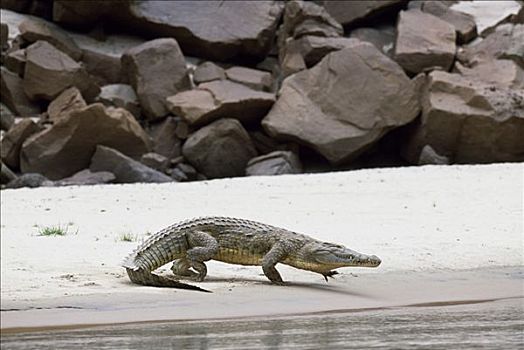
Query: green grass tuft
x: 128, y: 237
x: 52, y: 231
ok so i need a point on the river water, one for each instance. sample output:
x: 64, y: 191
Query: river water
x: 488, y: 325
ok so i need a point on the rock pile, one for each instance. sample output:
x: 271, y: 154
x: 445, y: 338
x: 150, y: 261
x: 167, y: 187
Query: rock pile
x: 120, y: 91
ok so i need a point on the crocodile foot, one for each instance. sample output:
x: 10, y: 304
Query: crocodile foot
x: 329, y: 274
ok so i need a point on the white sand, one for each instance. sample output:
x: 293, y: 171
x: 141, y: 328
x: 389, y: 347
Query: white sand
x: 424, y: 222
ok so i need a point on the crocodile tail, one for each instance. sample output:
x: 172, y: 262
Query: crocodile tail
x: 146, y: 278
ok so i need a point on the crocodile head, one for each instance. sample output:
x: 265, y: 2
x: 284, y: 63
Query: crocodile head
x: 325, y: 256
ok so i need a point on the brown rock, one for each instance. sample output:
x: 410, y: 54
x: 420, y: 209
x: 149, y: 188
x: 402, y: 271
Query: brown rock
x: 464, y: 23
x: 424, y: 42
x: 31, y: 180
x: 15, y: 62
x: 49, y: 71
x: 13, y: 95
x: 469, y: 122
x: 165, y: 139
x: 507, y: 41
x: 274, y: 163
x: 356, y: 12
x: 4, y: 33
x: 6, y: 174
x: 154, y: 82
x: 212, y: 29
x: 68, y: 101
x: 382, y: 37
x: 87, y: 177
x: 34, y: 29
x: 69, y: 144
x: 429, y: 156
x: 220, y: 149
x: 7, y: 119
x: 253, y: 78
x: 324, y: 108
x: 208, y: 71
x: 125, y: 169
x: 85, y: 14
x: 13, y: 140
x: 314, y: 48
x: 220, y: 98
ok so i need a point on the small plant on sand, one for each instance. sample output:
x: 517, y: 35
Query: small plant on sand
x: 128, y: 237
x: 52, y: 231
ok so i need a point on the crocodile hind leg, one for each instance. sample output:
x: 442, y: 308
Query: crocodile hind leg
x: 181, y: 268
x: 203, y: 248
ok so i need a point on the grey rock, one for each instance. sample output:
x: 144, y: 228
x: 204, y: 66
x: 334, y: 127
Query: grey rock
x: 429, y: 156
x: 6, y: 174
x: 190, y: 172
x: 34, y: 29
x: 356, y: 12
x: 13, y: 95
x: 274, y: 163
x: 49, y: 71
x: 208, y: 71
x: 468, y: 121
x: 15, y: 62
x: 382, y: 37
x: 68, y: 101
x: 68, y: 145
x: 507, y: 41
x: 166, y: 141
x: 178, y: 175
x: 501, y: 72
x: 87, y: 177
x: 464, y: 23
x: 220, y: 98
x: 220, y: 149
x: 7, y: 119
x: 217, y: 30
x: 125, y: 169
x: 323, y: 108
x: 155, y: 161
x: 12, y: 141
x: 313, y: 48
x: 120, y: 95
x: 253, y: 78
x: 424, y: 42
x: 31, y: 180
x: 154, y: 82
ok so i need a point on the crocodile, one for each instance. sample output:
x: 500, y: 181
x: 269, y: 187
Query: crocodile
x: 189, y: 244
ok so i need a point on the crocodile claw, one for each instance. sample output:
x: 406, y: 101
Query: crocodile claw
x: 329, y: 274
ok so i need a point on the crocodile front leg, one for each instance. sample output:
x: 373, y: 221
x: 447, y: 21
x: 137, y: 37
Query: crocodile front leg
x: 181, y: 268
x: 275, y: 255
x: 203, y: 248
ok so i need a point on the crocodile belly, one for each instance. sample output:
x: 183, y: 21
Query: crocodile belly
x: 238, y: 256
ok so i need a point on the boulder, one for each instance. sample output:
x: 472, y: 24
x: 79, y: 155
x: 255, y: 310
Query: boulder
x: 429, y: 156
x: 120, y: 95
x: 313, y: 48
x: 220, y: 98
x: 34, y: 29
x: 424, y: 42
x: 468, y: 121
x: 357, y: 12
x: 465, y: 25
x: 155, y: 161
x: 506, y: 73
x: 154, y: 82
x: 324, y: 108
x: 49, y: 71
x: 68, y: 145
x: 208, y: 71
x: 274, y: 163
x: 382, y: 37
x: 31, y: 180
x: 507, y: 41
x: 220, y: 149
x: 68, y: 101
x: 15, y: 62
x: 165, y: 139
x: 13, y: 139
x: 4, y: 34
x: 85, y: 14
x: 13, y: 95
x: 6, y: 174
x: 253, y: 78
x: 87, y: 177
x: 211, y: 29
x: 125, y: 169
x: 7, y: 119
